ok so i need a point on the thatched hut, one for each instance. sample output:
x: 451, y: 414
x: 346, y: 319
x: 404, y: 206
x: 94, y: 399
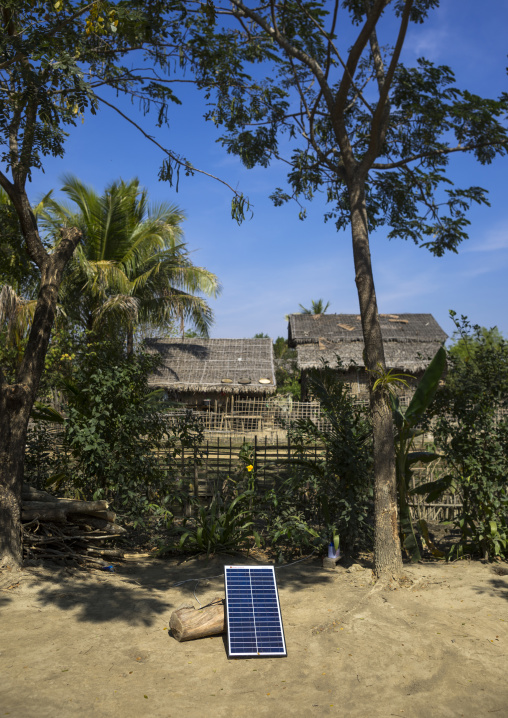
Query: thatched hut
x: 410, y: 342
x: 200, y: 372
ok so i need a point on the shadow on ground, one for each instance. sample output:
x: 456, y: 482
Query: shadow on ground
x: 498, y: 587
x: 140, y: 593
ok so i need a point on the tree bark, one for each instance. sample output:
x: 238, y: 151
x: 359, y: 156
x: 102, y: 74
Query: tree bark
x: 387, y: 552
x: 16, y: 400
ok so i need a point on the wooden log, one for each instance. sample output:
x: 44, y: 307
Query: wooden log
x: 187, y: 624
x: 97, y: 523
x: 106, y: 515
x: 69, y: 505
x: 28, y: 493
x: 57, y: 511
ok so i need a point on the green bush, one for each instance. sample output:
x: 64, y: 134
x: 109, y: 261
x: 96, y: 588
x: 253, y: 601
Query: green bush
x: 470, y: 427
x: 334, y: 495
x: 118, y: 443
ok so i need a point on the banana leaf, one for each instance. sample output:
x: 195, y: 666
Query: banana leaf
x: 426, y: 388
x: 422, y: 524
x: 43, y: 412
x: 425, y: 457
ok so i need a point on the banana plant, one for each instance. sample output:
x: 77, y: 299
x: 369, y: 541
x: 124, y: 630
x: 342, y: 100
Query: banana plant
x: 407, y: 430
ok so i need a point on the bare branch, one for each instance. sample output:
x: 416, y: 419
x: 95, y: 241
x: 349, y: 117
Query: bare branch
x: 331, y: 45
x: 356, y: 53
x: 170, y: 154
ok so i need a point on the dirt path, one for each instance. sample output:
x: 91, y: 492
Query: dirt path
x: 75, y: 644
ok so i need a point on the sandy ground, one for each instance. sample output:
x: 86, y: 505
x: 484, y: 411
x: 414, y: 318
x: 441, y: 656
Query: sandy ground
x: 97, y: 644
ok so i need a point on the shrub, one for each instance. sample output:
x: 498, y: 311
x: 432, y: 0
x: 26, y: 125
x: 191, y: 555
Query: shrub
x: 333, y: 495
x: 471, y: 431
x: 115, y: 433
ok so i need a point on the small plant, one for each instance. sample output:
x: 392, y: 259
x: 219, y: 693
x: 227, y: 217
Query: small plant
x: 221, y: 526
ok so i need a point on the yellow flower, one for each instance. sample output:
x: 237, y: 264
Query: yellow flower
x: 250, y: 467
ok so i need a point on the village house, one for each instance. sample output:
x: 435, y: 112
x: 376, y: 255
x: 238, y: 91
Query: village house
x: 225, y: 378
x: 410, y: 342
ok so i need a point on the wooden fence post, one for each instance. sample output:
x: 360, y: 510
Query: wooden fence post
x: 196, y: 475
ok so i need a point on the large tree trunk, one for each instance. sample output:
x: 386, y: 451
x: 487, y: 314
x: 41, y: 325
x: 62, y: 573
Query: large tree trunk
x: 387, y: 552
x: 13, y: 427
x: 16, y: 400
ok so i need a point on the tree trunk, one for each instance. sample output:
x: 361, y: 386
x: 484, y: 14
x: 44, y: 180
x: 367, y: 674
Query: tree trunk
x: 387, y: 551
x: 13, y: 427
x: 16, y: 400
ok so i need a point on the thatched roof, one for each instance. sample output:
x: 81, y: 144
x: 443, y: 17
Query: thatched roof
x: 234, y: 366
x: 410, y: 340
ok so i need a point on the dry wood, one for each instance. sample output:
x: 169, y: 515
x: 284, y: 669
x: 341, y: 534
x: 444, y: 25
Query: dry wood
x: 106, y: 515
x: 187, y: 624
x: 28, y: 493
x: 58, y: 510
x: 96, y: 523
x: 67, y: 529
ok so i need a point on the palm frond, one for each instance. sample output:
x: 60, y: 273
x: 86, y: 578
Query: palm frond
x: 119, y: 306
x: 132, y: 261
x: 16, y: 314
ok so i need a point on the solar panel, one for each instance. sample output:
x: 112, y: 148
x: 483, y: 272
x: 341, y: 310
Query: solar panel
x: 253, y: 615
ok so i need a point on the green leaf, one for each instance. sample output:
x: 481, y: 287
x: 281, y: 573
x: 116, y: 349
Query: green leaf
x: 422, y: 524
x: 425, y: 457
x: 437, y: 487
x: 43, y: 412
x: 426, y: 388
x: 55, y: 480
x: 398, y: 416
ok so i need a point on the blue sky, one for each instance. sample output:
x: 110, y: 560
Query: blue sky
x: 274, y: 261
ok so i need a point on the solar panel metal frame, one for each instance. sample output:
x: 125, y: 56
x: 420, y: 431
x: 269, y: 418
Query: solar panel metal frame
x: 243, y: 602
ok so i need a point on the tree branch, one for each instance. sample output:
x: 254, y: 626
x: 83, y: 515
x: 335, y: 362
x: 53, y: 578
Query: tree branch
x: 284, y: 43
x: 382, y: 113
x: 429, y: 155
x: 51, y: 33
x: 170, y: 154
x: 356, y: 53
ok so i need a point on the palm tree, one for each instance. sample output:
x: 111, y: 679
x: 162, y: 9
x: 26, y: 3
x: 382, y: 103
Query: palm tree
x: 318, y: 307
x: 132, y: 266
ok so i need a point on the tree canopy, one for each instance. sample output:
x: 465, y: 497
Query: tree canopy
x: 328, y: 108
x: 317, y: 307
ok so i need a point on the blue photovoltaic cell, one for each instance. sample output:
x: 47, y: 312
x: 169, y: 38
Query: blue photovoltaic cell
x: 253, y: 613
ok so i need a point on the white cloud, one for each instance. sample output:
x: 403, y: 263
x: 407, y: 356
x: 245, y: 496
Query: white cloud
x: 493, y: 240
x: 430, y: 43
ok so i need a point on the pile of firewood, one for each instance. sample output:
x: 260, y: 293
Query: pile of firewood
x: 66, y: 530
